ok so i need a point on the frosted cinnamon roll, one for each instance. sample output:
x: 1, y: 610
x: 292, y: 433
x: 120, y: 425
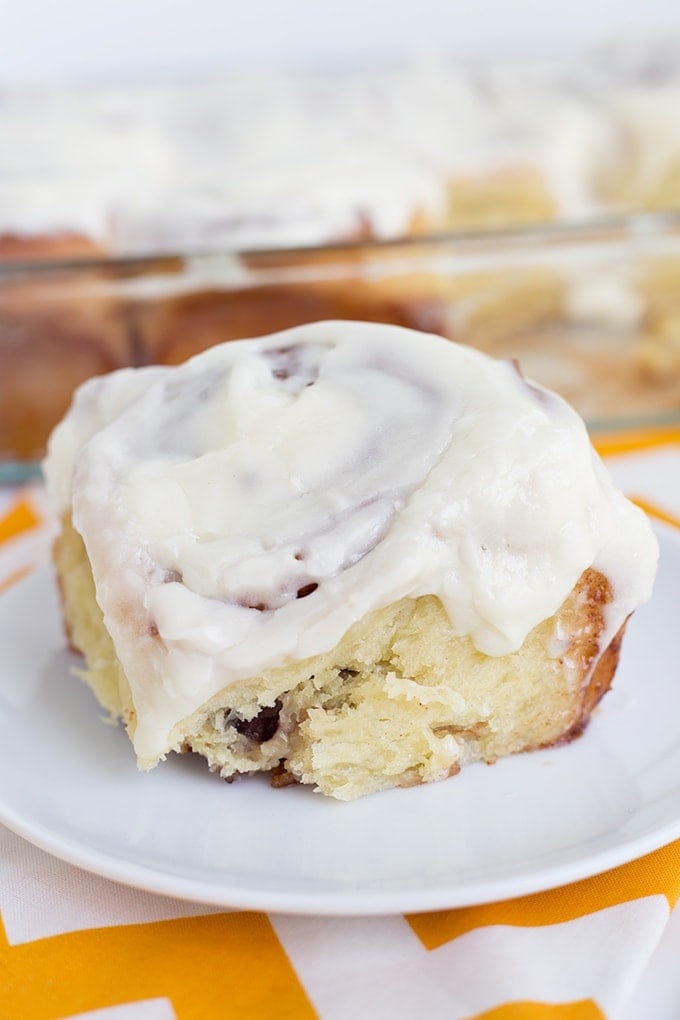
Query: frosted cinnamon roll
x: 348, y: 554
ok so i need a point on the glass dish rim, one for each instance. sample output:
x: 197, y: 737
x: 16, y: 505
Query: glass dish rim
x: 613, y: 227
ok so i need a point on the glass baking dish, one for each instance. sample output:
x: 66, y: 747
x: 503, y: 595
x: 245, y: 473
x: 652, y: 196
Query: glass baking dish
x: 591, y: 310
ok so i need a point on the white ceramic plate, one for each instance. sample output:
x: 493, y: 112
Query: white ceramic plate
x: 69, y: 784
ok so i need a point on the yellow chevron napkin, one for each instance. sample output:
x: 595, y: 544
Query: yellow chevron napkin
x: 75, y: 945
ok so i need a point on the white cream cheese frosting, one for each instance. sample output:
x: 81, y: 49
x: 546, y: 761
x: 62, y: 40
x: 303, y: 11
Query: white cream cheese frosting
x: 246, y: 508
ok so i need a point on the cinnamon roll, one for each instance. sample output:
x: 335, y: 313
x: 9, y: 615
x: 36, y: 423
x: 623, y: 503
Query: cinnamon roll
x: 348, y: 554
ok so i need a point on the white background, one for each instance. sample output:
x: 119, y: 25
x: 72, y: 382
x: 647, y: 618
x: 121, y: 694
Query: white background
x: 102, y: 39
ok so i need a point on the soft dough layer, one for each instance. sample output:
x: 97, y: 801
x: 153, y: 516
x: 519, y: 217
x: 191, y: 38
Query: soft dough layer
x: 399, y: 701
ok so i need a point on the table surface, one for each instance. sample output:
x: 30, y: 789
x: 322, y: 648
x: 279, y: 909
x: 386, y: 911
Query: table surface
x: 73, y: 944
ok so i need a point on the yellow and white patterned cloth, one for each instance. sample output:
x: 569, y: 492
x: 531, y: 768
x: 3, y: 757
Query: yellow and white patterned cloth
x: 75, y: 945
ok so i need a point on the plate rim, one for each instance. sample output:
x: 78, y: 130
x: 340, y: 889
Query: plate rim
x: 331, y: 902
x: 338, y: 903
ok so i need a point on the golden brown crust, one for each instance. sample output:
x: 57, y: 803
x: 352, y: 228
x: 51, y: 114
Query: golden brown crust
x: 44, y: 248
x: 598, y: 666
x: 600, y: 682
